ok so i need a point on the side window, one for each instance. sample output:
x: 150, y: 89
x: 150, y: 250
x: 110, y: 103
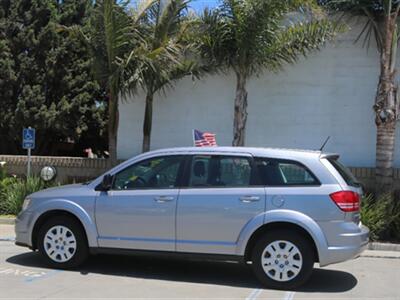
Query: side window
x: 276, y: 172
x: 156, y: 173
x: 219, y: 171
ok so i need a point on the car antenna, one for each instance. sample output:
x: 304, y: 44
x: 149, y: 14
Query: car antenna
x: 326, y: 141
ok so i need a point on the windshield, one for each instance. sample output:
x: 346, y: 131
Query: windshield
x: 346, y: 174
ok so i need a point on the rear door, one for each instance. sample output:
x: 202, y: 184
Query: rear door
x: 217, y: 203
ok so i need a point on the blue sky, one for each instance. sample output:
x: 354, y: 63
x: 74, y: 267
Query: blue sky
x: 199, y: 5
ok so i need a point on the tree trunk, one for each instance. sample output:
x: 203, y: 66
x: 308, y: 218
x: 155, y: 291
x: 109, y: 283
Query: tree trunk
x: 147, y: 122
x: 240, y: 112
x: 386, y: 109
x: 385, y: 141
x: 113, y: 120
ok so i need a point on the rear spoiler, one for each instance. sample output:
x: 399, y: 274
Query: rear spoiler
x: 329, y: 155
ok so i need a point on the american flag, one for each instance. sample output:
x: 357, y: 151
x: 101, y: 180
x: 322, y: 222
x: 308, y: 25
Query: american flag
x: 204, y: 139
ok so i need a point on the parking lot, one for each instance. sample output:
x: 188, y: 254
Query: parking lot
x: 24, y: 276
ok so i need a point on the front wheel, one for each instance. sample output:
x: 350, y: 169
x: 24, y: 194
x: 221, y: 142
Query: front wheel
x: 282, y: 259
x: 62, y: 242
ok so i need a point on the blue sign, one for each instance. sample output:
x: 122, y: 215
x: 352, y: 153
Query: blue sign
x: 28, y: 138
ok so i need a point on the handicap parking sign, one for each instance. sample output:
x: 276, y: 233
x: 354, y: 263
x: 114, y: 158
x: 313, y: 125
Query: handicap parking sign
x: 28, y: 138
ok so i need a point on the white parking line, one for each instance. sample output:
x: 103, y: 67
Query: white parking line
x: 254, y: 294
x: 289, y: 296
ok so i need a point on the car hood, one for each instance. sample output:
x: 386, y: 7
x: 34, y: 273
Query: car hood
x: 61, y: 191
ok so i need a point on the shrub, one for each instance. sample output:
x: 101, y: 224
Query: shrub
x: 394, y: 226
x: 374, y: 215
x: 14, y: 190
x: 382, y: 217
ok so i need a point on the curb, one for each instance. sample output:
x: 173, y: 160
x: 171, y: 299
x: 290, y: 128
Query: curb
x: 7, y: 221
x: 384, y: 246
x: 381, y: 254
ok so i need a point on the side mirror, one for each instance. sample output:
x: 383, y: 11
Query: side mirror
x: 106, y: 183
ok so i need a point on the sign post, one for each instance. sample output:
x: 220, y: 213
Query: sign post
x: 28, y: 142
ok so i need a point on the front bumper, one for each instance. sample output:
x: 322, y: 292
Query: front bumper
x: 355, y: 244
x: 23, y: 229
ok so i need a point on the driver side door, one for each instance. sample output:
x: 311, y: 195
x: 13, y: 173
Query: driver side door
x: 139, y: 211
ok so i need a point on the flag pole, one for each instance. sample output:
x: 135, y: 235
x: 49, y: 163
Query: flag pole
x: 194, y: 143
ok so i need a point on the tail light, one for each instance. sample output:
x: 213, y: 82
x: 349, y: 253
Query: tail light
x: 347, y: 201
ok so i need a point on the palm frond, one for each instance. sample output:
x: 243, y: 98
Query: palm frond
x: 247, y: 36
x: 374, y: 11
x: 298, y: 41
x: 162, y: 51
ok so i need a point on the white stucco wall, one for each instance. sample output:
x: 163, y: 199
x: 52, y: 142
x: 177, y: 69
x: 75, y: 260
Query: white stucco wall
x: 330, y: 93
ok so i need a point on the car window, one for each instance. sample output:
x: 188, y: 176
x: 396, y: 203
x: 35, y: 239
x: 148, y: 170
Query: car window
x: 276, y: 172
x: 346, y: 174
x: 156, y: 173
x: 220, y: 171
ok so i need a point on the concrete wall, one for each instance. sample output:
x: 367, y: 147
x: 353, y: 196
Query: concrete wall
x: 330, y: 93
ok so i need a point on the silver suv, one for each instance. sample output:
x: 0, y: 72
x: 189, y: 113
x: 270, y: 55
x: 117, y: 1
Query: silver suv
x: 279, y: 210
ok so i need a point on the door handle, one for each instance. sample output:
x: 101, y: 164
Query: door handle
x: 162, y: 199
x: 248, y: 199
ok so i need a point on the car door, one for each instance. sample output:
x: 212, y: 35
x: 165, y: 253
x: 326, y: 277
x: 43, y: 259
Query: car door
x: 139, y: 211
x: 217, y: 203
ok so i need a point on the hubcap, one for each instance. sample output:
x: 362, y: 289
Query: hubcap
x: 60, y: 243
x: 281, y: 260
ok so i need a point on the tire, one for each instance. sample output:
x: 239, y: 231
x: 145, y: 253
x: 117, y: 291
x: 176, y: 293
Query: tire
x: 286, y: 268
x: 68, y: 235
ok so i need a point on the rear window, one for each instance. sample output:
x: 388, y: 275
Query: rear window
x: 278, y: 172
x: 346, y: 174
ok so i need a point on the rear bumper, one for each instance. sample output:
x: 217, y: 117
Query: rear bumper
x: 353, y: 245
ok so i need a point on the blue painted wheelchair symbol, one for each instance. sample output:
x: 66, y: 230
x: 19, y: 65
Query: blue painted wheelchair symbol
x: 28, y: 138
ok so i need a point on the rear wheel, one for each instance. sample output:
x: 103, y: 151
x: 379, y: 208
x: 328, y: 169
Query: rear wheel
x: 282, y: 259
x: 62, y: 242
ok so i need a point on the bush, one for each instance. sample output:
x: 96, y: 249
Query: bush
x: 374, y: 215
x: 14, y: 190
x: 382, y: 217
x: 394, y: 226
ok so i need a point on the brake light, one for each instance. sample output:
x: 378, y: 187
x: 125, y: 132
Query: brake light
x: 347, y: 201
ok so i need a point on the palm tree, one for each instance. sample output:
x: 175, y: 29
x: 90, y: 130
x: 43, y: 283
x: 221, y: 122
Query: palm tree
x: 251, y: 36
x: 381, y: 18
x: 113, y: 36
x: 111, y: 39
x: 162, y: 56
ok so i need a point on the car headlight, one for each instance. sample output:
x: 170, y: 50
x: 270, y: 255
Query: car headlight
x: 26, y: 203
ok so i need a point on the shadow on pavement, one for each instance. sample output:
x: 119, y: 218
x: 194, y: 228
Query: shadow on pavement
x: 329, y: 281
x: 208, y: 272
